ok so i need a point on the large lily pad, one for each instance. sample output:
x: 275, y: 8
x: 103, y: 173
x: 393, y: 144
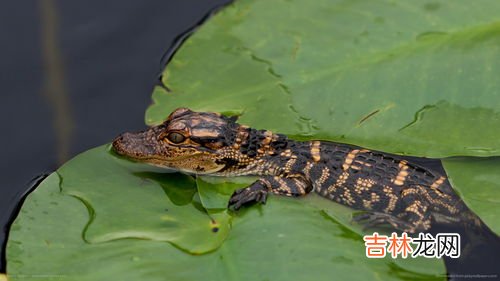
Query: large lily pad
x: 406, y: 77
x: 286, y: 239
x: 409, y: 77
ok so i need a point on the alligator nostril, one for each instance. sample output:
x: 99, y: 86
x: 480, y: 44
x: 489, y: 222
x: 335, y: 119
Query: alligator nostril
x: 118, y: 143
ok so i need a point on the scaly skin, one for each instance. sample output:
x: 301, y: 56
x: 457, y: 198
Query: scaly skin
x: 391, y: 190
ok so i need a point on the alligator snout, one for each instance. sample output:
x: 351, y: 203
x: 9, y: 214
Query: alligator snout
x: 133, y: 145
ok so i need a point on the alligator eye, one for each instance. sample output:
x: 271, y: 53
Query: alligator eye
x: 176, y: 137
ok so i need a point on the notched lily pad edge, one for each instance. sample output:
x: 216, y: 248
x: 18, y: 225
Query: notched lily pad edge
x: 92, y: 214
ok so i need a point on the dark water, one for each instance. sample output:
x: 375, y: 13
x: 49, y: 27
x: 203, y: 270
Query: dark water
x: 76, y: 74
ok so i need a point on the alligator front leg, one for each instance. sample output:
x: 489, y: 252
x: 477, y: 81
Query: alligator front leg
x: 257, y: 191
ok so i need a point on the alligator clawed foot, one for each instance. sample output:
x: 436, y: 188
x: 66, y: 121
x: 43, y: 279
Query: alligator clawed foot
x: 247, y: 196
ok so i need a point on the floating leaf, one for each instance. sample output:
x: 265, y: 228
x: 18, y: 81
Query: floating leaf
x: 395, y: 76
x: 46, y: 241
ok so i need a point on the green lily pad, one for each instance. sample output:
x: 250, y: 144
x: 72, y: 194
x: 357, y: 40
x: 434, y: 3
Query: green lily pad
x: 478, y: 182
x: 127, y: 200
x: 293, y: 230
x: 395, y: 76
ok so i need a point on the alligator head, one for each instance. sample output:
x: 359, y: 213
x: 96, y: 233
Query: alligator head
x: 188, y: 141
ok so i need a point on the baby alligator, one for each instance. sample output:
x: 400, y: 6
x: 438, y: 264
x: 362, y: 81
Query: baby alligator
x: 390, y: 189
